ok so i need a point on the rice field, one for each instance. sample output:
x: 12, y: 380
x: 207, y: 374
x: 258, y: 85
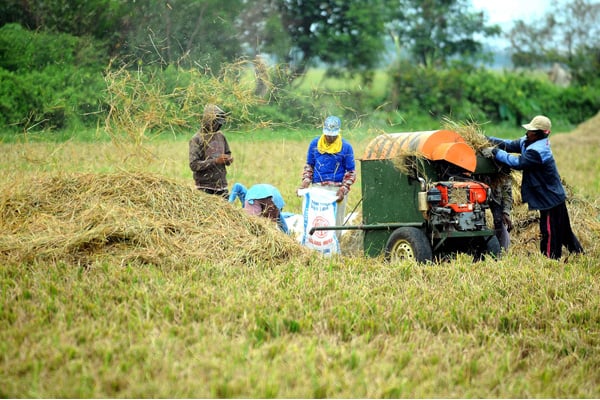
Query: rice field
x: 120, y: 280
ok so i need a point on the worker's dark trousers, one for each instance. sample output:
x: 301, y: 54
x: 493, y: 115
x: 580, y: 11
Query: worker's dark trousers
x: 555, y: 227
x: 499, y: 228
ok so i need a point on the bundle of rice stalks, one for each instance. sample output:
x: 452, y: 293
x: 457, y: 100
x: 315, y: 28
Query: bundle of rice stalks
x: 131, y: 217
x: 470, y: 131
x: 409, y: 162
x: 148, y: 102
x: 474, y: 135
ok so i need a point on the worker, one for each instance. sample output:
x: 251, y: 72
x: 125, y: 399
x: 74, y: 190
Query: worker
x: 541, y: 186
x: 330, y: 165
x: 501, y: 207
x: 261, y: 200
x: 209, y: 153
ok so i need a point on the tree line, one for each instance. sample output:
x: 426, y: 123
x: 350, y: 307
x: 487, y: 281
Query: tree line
x: 54, y: 51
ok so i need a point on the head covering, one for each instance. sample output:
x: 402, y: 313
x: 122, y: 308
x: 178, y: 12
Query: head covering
x: 539, y: 123
x: 264, y: 190
x: 213, y: 117
x: 331, y: 126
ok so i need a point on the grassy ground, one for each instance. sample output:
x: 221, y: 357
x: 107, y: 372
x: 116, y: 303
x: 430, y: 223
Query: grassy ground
x: 524, y: 326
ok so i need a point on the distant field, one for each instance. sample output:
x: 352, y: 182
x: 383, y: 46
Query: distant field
x: 242, y: 324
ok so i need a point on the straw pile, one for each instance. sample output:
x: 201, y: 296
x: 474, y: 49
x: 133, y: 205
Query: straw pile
x: 131, y: 218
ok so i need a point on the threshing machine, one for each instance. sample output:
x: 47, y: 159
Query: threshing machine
x: 421, y: 198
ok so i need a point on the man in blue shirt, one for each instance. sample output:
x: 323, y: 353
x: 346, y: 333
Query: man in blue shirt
x: 541, y: 187
x: 330, y: 164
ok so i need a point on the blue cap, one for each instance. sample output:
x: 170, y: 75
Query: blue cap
x: 332, y: 125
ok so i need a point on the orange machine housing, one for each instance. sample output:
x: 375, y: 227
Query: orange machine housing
x: 433, y: 145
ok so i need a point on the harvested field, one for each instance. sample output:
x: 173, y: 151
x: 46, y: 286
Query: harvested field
x: 180, y: 295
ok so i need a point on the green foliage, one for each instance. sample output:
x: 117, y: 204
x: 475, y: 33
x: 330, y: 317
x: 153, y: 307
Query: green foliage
x: 96, y: 18
x: 48, y: 80
x: 346, y: 34
x: 197, y: 33
x: 55, y: 98
x: 434, y: 31
x: 22, y: 50
x: 488, y: 96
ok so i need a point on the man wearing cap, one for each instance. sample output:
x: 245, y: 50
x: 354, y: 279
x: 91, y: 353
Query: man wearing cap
x: 541, y: 187
x: 209, y: 153
x: 330, y: 164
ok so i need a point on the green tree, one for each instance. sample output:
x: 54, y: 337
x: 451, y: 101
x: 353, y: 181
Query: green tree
x: 200, y: 32
x: 261, y: 30
x: 435, y: 31
x: 569, y: 33
x: 344, y: 34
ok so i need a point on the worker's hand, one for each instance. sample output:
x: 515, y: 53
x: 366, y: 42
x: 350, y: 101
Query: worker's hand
x: 488, y: 152
x: 224, y: 159
x: 305, y: 183
x: 507, y: 221
x: 341, y: 193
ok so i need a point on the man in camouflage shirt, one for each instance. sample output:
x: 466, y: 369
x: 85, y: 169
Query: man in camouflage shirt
x: 209, y: 153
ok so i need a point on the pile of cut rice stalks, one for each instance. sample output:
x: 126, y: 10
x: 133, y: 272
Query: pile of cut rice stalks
x: 131, y: 218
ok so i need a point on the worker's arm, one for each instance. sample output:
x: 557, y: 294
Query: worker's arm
x: 197, y: 156
x: 529, y: 159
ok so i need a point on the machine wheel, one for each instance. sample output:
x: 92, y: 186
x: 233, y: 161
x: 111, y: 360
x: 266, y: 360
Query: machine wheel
x: 408, y: 243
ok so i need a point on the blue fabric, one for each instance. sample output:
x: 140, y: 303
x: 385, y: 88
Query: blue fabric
x: 257, y: 192
x: 332, y: 125
x: 238, y: 191
x: 282, y: 224
x: 262, y: 191
x: 330, y: 167
x: 541, y: 187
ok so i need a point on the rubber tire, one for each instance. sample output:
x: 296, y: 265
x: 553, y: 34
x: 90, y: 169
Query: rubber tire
x: 408, y: 243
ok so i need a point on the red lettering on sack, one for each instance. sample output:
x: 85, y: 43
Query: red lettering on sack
x: 318, y: 222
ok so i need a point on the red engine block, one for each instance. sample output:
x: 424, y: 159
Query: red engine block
x: 461, y: 196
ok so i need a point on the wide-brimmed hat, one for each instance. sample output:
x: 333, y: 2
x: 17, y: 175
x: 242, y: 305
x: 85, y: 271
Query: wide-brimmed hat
x: 331, y: 126
x: 539, y: 123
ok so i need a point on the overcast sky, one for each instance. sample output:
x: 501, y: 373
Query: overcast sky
x: 503, y: 12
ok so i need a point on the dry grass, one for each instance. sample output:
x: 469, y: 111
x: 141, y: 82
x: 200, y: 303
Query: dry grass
x: 185, y: 296
x: 471, y: 131
x: 130, y: 217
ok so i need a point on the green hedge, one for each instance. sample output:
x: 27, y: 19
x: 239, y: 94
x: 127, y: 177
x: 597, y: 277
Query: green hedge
x: 49, y: 81
x: 484, y: 95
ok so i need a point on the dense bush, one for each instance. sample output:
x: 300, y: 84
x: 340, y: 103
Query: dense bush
x: 49, y: 80
x: 489, y: 95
